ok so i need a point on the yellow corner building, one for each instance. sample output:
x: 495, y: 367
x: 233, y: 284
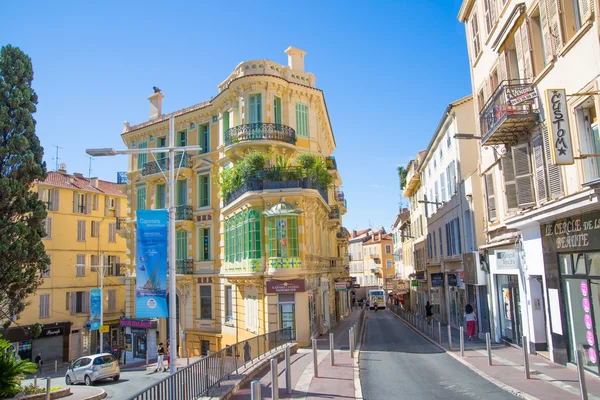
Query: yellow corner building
x: 81, y: 234
x: 259, y: 238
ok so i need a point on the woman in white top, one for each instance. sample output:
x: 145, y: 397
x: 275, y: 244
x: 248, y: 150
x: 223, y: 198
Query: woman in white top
x: 471, y: 321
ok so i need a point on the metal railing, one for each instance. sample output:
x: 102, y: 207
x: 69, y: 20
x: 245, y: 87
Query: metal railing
x: 260, y: 131
x: 184, y: 267
x: 162, y: 164
x: 184, y: 213
x: 121, y: 223
x: 198, y: 378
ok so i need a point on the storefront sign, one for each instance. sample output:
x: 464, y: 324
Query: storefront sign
x: 452, y: 280
x: 520, y: 94
x: 577, y: 233
x: 151, y: 264
x: 104, y: 328
x: 95, y: 309
x: 133, y: 323
x: 421, y: 276
x: 507, y: 259
x: 558, y: 126
x: 415, y: 283
x: 401, y: 285
x: 54, y: 331
x: 291, y: 286
x: 356, y: 286
x: 437, y: 280
x: 390, y: 286
x: 339, y: 286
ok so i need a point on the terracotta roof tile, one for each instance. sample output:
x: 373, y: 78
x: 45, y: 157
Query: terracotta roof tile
x: 60, y: 179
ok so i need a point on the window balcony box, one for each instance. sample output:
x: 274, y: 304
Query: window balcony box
x: 162, y: 164
x: 184, y: 213
x: 284, y: 265
x: 509, y: 112
x: 246, y: 267
x: 250, y: 135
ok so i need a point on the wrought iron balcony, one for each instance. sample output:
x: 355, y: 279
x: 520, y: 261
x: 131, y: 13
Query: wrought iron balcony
x: 339, y: 196
x: 260, y: 131
x: 330, y: 163
x: 162, y: 164
x: 276, y: 178
x: 121, y: 223
x: 184, y: 267
x: 122, y: 178
x: 509, y: 112
x: 334, y: 213
x: 183, y: 213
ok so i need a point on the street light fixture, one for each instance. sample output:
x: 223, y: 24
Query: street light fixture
x: 171, y: 149
x: 467, y: 136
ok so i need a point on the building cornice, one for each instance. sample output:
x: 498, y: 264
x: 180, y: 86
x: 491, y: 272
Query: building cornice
x: 465, y: 9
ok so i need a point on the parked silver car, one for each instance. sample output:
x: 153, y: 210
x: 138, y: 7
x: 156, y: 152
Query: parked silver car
x: 90, y: 369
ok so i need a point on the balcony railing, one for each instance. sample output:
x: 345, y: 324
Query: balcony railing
x: 121, y: 223
x: 334, y: 213
x: 162, y: 164
x: 330, y: 163
x: 276, y: 178
x: 184, y: 213
x: 339, y: 196
x: 184, y: 267
x: 509, y: 112
x: 260, y: 131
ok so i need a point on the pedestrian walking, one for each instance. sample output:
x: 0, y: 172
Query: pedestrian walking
x: 429, y: 312
x: 168, y: 356
x: 247, y: 355
x: 160, y: 357
x: 471, y: 319
x: 39, y: 362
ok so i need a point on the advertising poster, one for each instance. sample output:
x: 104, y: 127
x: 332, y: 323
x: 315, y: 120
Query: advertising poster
x: 95, y: 309
x: 151, y: 264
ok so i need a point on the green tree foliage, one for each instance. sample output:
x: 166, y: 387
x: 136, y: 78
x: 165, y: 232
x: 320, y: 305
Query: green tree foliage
x: 402, y: 172
x: 22, y: 215
x: 12, y: 370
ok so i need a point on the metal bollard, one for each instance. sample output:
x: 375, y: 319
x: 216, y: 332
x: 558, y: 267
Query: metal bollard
x: 35, y: 380
x: 48, y: 387
x: 55, y: 366
x: 315, y: 358
x: 351, y: 342
x: 288, y: 370
x: 331, y: 349
x: 274, y: 380
x: 255, y: 390
x: 581, y: 374
x: 147, y: 357
x: 450, y: 337
x: 187, y: 355
x: 440, y: 332
x: 526, y: 357
x: 488, y: 343
x: 462, y: 341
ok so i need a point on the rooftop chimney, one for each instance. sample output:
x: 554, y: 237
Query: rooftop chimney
x: 155, y: 103
x: 295, y: 59
x: 94, y: 182
x: 78, y: 174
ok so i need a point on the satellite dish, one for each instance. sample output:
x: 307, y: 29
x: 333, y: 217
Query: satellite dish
x: 63, y: 166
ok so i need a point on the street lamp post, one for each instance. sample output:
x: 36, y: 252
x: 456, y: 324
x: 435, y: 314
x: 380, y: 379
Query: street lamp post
x: 171, y: 227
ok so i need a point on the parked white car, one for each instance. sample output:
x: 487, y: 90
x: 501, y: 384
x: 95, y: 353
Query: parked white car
x: 90, y: 369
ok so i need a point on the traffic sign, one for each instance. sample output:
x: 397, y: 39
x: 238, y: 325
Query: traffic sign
x: 104, y: 328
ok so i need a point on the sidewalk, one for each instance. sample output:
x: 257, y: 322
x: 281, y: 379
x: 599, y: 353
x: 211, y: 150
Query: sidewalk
x: 548, y: 381
x: 333, y: 382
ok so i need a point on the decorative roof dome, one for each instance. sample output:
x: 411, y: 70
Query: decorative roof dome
x: 282, y: 208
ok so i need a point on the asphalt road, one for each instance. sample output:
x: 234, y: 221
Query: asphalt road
x: 397, y: 363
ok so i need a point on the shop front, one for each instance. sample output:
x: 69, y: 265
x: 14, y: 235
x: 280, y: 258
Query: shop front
x: 422, y: 292
x: 572, y: 259
x: 325, y: 309
x: 52, y: 341
x: 312, y: 290
x: 140, y: 337
x: 436, y: 295
x: 476, y: 281
x: 455, y: 293
x: 293, y: 309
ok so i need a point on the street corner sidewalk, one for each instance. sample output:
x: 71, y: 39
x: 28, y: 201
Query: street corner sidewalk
x: 86, y: 393
x: 333, y: 382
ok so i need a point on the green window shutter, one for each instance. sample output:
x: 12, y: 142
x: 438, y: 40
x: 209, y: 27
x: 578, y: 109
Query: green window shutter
x: 277, y: 110
x: 227, y: 239
x: 255, y: 108
x: 239, y: 238
x: 203, y: 138
x: 182, y: 138
x: 161, y: 142
x: 181, y: 245
x: 141, y: 198
x: 181, y: 192
x: 204, y: 244
x: 247, y: 240
x: 225, y: 123
x: 161, y: 195
x: 302, y: 119
x: 272, y: 238
x: 257, y: 237
x: 203, y: 191
x: 142, y: 158
x: 293, y: 237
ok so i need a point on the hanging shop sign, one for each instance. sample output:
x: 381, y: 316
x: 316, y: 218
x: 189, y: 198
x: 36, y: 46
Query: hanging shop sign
x: 452, y: 280
x: 519, y: 94
x: 437, y: 280
x: 507, y: 259
x: 558, y: 126
x: 415, y: 283
x: 576, y: 233
x: 421, y: 276
x: 340, y: 286
x: 135, y: 323
x: 289, y: 286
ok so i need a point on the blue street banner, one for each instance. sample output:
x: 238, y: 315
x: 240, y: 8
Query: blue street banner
x: 95, y: 309
x: 151, y: 264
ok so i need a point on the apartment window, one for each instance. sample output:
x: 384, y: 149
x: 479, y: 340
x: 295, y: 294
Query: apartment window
x: 453, y: 245
x: 255, y: 108
x: 388, y: 249
x: 44, y: 305
x: 48, y: 228
x: 46, y: 272
x: 82, y: 203
x: 204, y: 244
x: 283, y: 236
x: 228, y: 304
x: 301, y: 119
x: 490, y: 196
x: 572, y: 13
x: 536, y: 34
x: 510, y: 185
x: 468, y: 232
x: 277, y: 109
x: 95, y: 228
x: 443, y: 187
x: 141, y: 198
x: 441, y: 153
x: 587, y: 124
x: 80, y: 267
x: 251, y: 313
x: 434, y: 242
x: 480, y: 100
x: 181, y: 192
x: 205, y: 301
x: 95, y: 202
x: 440, y: 239
x: 389, y: 264
x: 475, y: 36
x: 448, y: 138
x: 204, y: 138
x: 160, y: 197
x: 161, y: 142
x: 143, y: 157
x: 494, y: 83
x: 112, y: 300
x: 181, y: 138
x: 50, y: 197
x: 225, y: 122
x: 80, y: 302
x: 204, y: 190
x: 81, y: 231
x: 181, y: 251
x: 429, y: 246
x: 437, y: 195
x: 489, y: 10
x: 523, y: 175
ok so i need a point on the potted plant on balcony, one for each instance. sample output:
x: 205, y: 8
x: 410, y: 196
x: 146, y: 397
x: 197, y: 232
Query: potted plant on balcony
x: 313, y: 168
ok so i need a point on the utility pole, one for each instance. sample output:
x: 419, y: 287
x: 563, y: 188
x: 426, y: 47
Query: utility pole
x: 90, y: 169
x: 56, y: 157
x: 171, y: 251
x: 101, y: 272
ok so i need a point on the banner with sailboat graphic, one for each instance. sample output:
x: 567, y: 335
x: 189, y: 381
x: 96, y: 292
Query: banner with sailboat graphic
x: 151, y: 264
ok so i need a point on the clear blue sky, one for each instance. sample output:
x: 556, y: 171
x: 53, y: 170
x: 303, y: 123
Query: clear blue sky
x: 388, y: 70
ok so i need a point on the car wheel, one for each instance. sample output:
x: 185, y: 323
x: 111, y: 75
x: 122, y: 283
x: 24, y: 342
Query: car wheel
x: 68, y: 380
x: 88, y: 381
x: 116, y: 377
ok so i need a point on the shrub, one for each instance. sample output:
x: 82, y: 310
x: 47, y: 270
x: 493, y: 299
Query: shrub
x: 11, y: 370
